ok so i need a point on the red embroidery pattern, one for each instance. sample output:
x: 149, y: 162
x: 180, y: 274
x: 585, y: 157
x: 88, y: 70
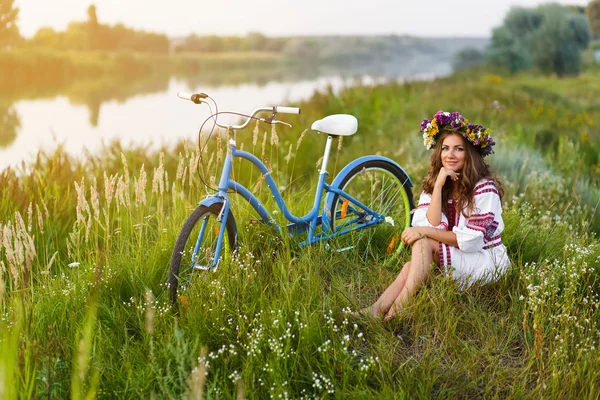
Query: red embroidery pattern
x: 445, y: 260
x: 486, y: 240
x: 456, y: 214
x: 484, y: 184
x: 484, y: 223
x: 491, y: 246
x: 423, y: 205
x: 453, y: 215
x: 487, y: 191
x: 486, y: 187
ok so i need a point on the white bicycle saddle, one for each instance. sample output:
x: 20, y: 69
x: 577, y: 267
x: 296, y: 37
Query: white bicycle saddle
x: 337, y: 125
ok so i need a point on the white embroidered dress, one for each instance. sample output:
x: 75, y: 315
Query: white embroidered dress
x: 480, y: 255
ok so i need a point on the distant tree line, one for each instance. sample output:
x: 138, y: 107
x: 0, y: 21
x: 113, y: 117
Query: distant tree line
x: 94, y: 36
x: 214, y: 43
x: 549, y: 38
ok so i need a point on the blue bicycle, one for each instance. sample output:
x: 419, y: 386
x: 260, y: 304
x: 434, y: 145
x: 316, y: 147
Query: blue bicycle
x: 366, y: 207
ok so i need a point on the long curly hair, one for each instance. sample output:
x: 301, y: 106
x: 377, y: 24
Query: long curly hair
x: 474, y: 170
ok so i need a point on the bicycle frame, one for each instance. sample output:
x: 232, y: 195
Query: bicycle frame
x: 298, y: 225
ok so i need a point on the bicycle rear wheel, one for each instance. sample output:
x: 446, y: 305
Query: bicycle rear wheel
x: 194, y: 250
x: 384, y: 189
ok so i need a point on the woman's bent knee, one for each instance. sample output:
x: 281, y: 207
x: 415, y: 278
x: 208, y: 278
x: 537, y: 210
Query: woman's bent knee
x: 424, y: 242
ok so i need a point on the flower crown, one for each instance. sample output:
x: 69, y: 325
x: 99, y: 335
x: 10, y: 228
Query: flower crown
x: 442, y: 121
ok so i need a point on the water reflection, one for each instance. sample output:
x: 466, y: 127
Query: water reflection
x: 85, y: 113
x: 9, y: 124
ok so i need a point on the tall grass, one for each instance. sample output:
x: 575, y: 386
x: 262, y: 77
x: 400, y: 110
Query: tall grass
x: 85, y: 247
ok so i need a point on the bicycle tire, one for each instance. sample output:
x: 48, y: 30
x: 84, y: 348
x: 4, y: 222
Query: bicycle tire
x: 177, y: 277
x: 379, y: 243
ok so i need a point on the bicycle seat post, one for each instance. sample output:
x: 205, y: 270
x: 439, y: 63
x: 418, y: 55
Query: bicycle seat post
x: 227, y: 165
x: 323, y: 169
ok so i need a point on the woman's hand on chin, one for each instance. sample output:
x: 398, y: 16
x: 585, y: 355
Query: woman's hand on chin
x: 444, y: 174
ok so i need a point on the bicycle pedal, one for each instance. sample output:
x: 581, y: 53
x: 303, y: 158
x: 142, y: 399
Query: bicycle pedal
x: 345, y: 249
x: 201, y: 267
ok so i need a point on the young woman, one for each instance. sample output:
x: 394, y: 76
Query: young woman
x: 458, y: 221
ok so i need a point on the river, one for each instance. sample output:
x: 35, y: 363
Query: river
x: 84, y: 118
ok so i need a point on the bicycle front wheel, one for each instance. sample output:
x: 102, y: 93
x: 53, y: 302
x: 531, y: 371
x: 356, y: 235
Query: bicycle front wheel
x: 195, y: 248
x: 385, y: 190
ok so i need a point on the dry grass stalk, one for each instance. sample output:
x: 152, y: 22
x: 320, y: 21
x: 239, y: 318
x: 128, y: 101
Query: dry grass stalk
x: 219, y: 148
x: 274, y: 137
x: 210, y: 162
x: 30, y: 217
x: 9, y: 252
x: 184, y: 176
x: 95, y: 200
x: 46, y: 212
x: 186, y: 149
x: 258, y: 183
x: 240, y: 389
x: 120, y: 194
x: 264, y: 145
x: 255, y: 134
x: 49, y: 266
x: 288, y: 157
x: 88, y: 227
x: 149, y: 312
x: 165, y: 186
x: 39, y: 218
x: 179, y: 173
x: 319, y: 161
x: 158, y: 184
x: 110, y: 185
x: 140, y: 188
x: 82, y: 204
x: 300, y: 139
x: 2, y: 285
x: 19, y: 250
x: 126, y: 182
x: 161, y: 173
x: 194, y: 168
x: 174, y: 194
x: 197, y: 378
x: 198, y: 147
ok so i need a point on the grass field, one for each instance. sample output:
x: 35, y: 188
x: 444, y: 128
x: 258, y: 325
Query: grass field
x: 86, y: 242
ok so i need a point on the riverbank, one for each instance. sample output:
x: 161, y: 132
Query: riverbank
x: 43, y: 68
x: 87, y: 240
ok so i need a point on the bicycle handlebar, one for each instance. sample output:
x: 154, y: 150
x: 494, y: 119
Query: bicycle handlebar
x: 199, y: 98
x: 287, y: 110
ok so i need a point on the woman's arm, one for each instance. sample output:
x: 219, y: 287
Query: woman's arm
x: 411, y: 235
x: 434, y: 212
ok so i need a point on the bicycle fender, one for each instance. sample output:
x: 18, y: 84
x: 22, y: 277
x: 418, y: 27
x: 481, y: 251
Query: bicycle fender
x: 346, y: 170
x: 209, y: 201
x: 325, y: 218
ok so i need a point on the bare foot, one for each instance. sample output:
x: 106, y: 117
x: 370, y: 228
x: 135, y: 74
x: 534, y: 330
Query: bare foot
x: 392, y: 312
x: 372, y: 311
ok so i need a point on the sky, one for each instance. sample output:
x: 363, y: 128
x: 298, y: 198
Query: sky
x: 430, y: 18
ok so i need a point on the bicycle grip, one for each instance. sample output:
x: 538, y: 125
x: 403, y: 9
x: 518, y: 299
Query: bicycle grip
x: 287, y: 110
x: 185, y: 96
x: 195, y: 98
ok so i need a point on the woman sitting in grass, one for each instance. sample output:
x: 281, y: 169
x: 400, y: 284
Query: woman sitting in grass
x: 458, y: 221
